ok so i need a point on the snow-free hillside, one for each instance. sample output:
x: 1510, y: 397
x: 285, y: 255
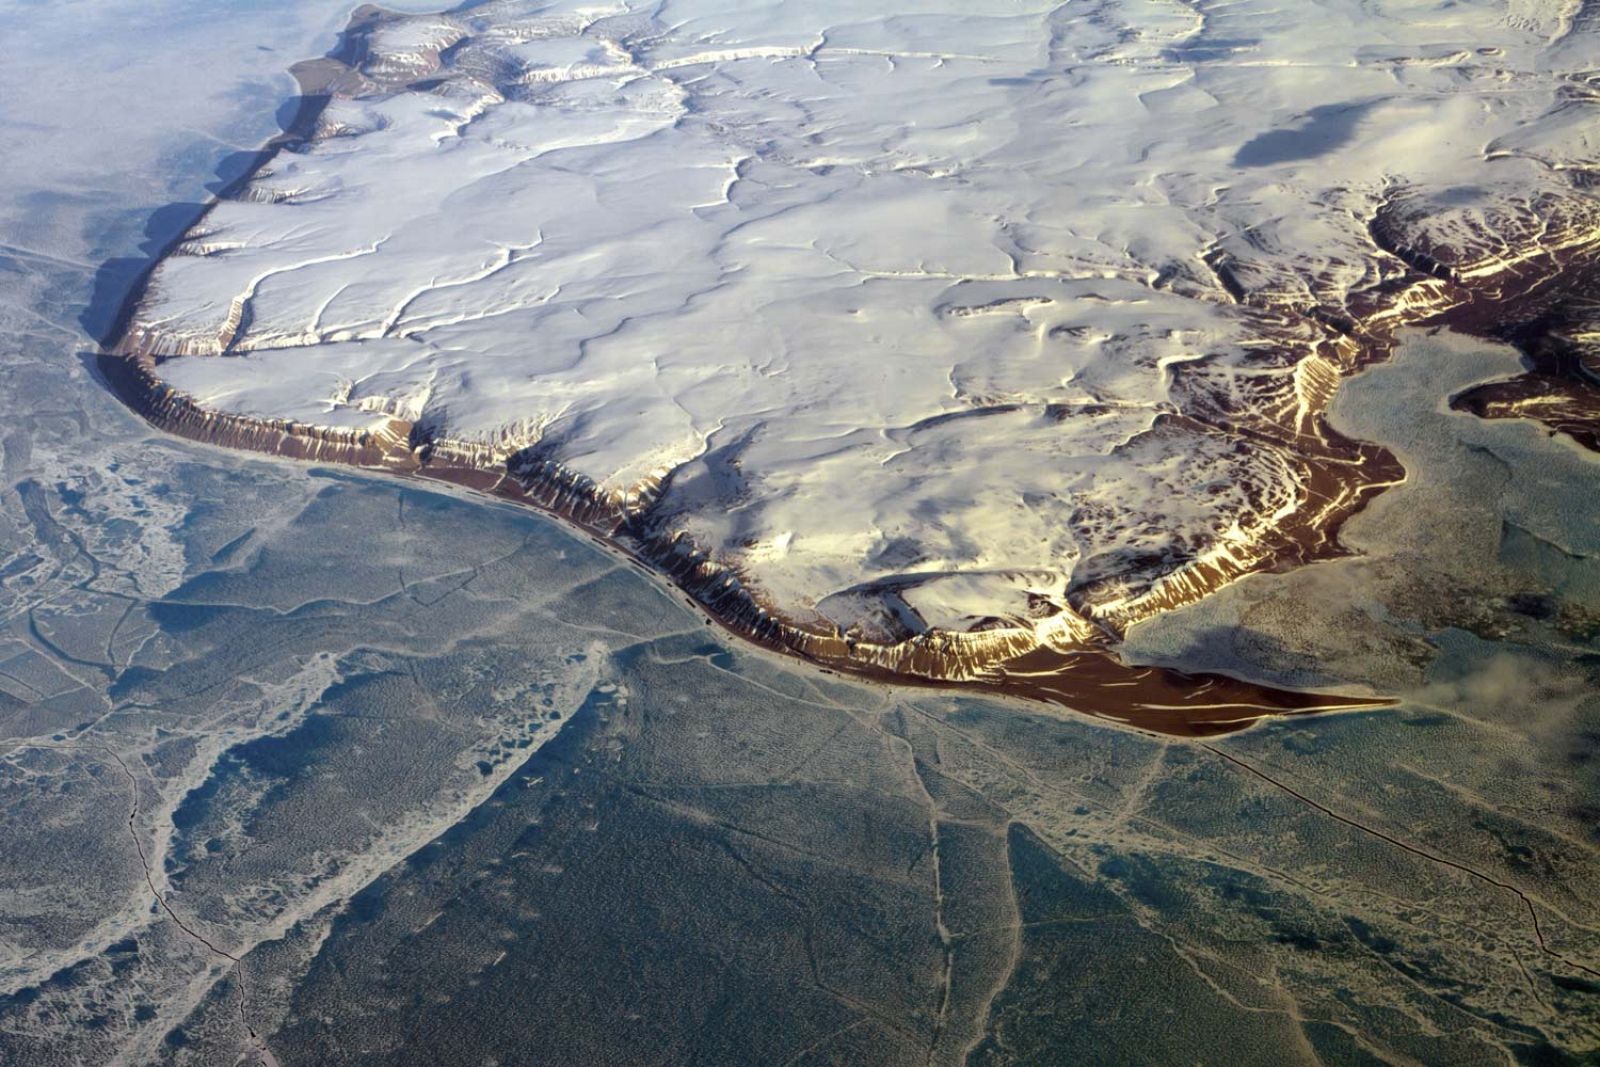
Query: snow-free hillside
x: 946, y: 314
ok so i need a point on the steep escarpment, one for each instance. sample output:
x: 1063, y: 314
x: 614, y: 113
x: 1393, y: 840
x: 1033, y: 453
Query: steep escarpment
x: 946, y: 343
x: 1072, y: 667
x: 1523, y: 273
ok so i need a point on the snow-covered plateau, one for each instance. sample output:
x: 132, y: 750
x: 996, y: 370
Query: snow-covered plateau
x: 924, y: 337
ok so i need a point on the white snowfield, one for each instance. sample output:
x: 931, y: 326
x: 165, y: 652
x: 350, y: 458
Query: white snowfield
x: 914, y: 315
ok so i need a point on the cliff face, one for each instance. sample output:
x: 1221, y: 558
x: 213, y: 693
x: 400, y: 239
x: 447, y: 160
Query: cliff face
x: 1062, y: 662
x: 951, y: 407
x: 1520, y: 273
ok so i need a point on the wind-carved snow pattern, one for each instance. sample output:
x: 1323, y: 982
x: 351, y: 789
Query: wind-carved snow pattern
x: 943, y: 339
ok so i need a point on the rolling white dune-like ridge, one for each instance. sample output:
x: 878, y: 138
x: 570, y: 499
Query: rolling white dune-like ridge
x: 991, y: 325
